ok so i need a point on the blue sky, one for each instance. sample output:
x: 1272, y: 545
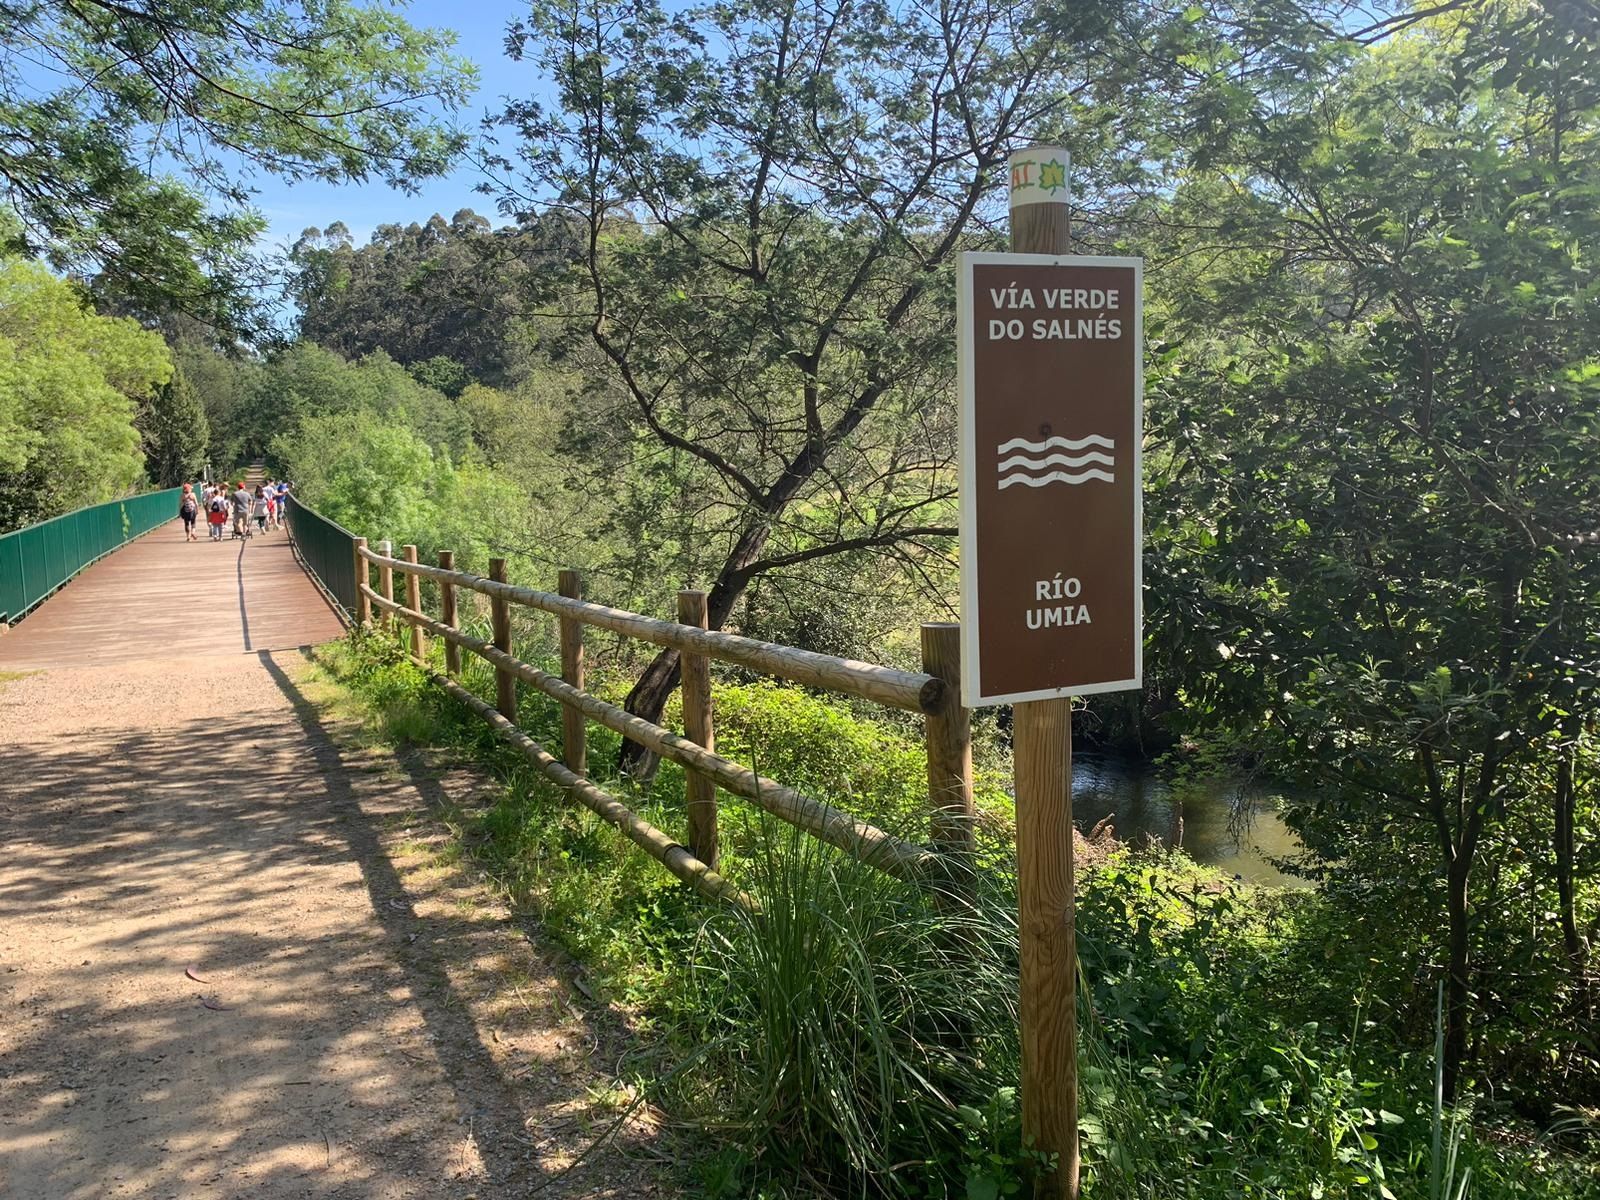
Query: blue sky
x: 480, y: 26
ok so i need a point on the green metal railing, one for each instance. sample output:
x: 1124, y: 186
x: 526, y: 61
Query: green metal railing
x: 328, y: 551
x: 37, y: 560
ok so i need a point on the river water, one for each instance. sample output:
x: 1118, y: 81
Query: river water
x: 1229, y: 824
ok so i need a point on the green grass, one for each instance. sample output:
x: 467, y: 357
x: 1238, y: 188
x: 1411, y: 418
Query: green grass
x: 853, y: 1041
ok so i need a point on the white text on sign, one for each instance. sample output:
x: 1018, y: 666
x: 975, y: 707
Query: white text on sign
x: 1085, y: 328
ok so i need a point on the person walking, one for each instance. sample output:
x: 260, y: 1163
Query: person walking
x: 188, y: 509
x: 258, y: 509
x: 216, y: 513
x: 240, y: 501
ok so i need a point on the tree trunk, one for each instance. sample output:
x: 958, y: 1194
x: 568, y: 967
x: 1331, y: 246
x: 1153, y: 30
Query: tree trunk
x: 1565, y: 848
x: 1456, y: 989
x: 660, y: 679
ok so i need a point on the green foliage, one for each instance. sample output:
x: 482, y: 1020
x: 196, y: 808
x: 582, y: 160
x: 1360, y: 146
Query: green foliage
x: 306, y: 382
x: 445, y: 298
x: 366, y: 473
x: 1234, y: 1047
x: 852, y: 1041
x: 815, y: 745
x: 767, y: 200
x: 1369, y: 554
x: 443, y: 375
x: 855, y: 1032
x: 175, y: 432
x: 92, y: 94
x: 227, y: 387
x: 69, y: 384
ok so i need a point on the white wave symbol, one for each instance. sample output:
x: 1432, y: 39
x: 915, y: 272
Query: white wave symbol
x: 1057, y: 477
x: 1056, y: 460
x: 1093, y: 439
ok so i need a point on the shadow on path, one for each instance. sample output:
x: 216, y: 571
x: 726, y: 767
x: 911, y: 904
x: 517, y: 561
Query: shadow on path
x: 319, y: 1047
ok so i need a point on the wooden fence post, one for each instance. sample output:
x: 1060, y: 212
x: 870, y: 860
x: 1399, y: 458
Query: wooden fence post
x: 419, y: 642
x: 1042, y: 761
x: 1042, y: 748
x: 697, y: 727
x: 447, y: 612
x: 948, y: 734
x: 386, y: 582
x: 363, y: 579
x: 574, y: 727
x: 505, y: 683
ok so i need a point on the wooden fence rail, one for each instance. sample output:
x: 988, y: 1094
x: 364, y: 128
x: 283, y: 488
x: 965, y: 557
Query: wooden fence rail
x: 946, y: 866
x: 910, y: 690
x: 646, y: 836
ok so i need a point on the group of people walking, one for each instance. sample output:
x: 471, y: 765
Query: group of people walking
x: 221, y: 503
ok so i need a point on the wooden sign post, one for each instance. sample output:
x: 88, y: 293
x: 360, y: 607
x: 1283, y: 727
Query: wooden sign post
x: 1051, y: 428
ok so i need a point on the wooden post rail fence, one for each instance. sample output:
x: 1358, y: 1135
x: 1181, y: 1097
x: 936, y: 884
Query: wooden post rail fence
x: 643, y: 834
x: 910, y: 690
x: 866, y: 842
x: 946, y: 867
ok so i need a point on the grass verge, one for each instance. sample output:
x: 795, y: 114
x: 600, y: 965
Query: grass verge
x: 853, y: 1041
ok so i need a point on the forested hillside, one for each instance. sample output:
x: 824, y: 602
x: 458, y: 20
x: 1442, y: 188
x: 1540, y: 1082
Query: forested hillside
x: 709, y: 342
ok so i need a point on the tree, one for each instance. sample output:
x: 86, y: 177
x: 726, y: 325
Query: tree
x: 229, y: 385
x: 453, y: 290
x: 1377, y: 513
x: 69, y: 384
x: 365, y: 472
x: 93, y: 92
x: 174, y: 431
x: 770, y: 196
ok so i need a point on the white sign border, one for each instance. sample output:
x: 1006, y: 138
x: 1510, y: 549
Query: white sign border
x: 965, y: 358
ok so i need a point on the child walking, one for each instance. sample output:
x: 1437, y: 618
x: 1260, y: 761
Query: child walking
x: 217, y: 514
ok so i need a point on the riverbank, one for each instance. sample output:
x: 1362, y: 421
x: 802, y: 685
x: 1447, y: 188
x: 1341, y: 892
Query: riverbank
x: 1228, y: 823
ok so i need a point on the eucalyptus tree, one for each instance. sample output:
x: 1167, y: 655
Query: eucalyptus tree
x: 769, y: 197
x: 124, y: 124
x: 453, y: 290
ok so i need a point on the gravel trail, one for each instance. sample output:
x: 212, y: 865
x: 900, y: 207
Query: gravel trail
x: 239, y: 953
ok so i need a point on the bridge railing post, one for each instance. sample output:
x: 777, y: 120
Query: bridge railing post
x: 363, y: 579
x: 419, y: 642
x: 447, y: 612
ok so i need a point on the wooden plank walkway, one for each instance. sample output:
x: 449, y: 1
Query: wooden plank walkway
x: 161, y: 596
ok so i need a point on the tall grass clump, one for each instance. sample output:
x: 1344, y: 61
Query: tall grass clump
x: 857, y: 1031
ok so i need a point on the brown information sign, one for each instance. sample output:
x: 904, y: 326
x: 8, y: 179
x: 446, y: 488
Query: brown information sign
x: 1051, y: 428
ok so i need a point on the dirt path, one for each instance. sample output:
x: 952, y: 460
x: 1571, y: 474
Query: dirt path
x: 366, y: 1021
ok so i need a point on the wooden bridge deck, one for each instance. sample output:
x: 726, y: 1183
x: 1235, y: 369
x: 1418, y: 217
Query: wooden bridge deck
x: 162, y: 596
